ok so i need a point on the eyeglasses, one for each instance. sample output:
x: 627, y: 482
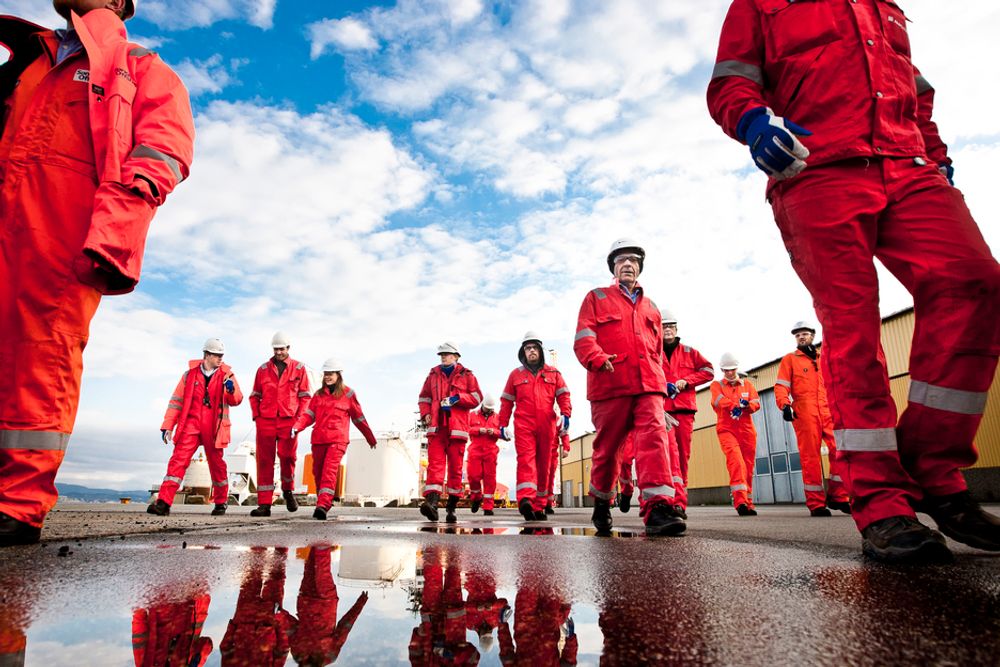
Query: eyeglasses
x: 633, y: 259
x: 532, y: 347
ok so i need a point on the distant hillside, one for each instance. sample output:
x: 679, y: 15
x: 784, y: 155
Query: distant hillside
x: 86, y: 494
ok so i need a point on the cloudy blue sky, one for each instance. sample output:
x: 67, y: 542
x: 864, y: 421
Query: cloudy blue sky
x: 376, y: 177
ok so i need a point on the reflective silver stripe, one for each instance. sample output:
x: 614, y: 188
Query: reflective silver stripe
x: 737, y: 487
x: 653, y: 491
x: 737, y: 68
x: 175, y: 404
x: 527, y: 485
x: 866, y: 439
x: 349, y: 394
x: 330, y: 491
x: 678, y: 480
x: 175, y: 480
x: 175, y: 397
x: 459, y: 434
x: 585, y: 333
x: 784, y: 383
x: 140, y: 51
x: 360, y: 420
x: 561, y: 390
x: 707, y: 368
x: 836, y: 478
x: 433, y: 487
x: 432, y: 429
x: 812, y: 487
x: 222, y: 483
x: 949, y: 400
x: 718, y: 399
x: 459, y: 613
x: 600, y: 494
x: 51, y: 441
x: 142, y: 150
x: 256, y: 393
x: 299, y: 366
x: 287, y: 479
x: 311, y: 414
x: 599, y: 293
x: 476, y: 395
x: 923, y: 85
x: 451, y: 490
x: 507, y: 396
x: 423, y: 400
x: 269, y: 487
x: 303, y: 394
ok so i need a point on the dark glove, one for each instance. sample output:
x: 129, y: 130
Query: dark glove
x: 672, y: 390
x: 165, y: 436
x: 744, y: 403
x: 787, y: 413
x: 735, y: 413
x: 774, y: 143
x: 948, y: 171
x: 230, y: 385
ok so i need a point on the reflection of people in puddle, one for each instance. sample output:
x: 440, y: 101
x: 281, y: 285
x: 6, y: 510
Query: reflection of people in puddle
x: 257, y: 634
x: 543, y: 629
x: 484, y: 611
x: 316, y: 636
x: 15, y: 617
x: 168, y: 632
x: 440, y: 637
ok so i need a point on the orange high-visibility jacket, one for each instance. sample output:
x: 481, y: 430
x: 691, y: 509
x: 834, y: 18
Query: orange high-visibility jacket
x: 688, y: 364
x: 799, y: 381
x: 285, y: 396
x: 190, y: 389
x: 438, y: 386
x: 332, y: 416
x: 726, y: 396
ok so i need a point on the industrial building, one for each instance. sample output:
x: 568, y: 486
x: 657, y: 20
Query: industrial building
x: 777, y: 477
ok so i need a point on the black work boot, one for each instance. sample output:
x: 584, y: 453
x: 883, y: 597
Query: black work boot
x: 624, y: 502
x: 663, y: 520
x: 219, y: 509
x: 744, y: 510
x: 291, y: 504
x: 841, y: 506
x: 429, y: 508
x: 263, y: 510
x: 549, y: 509
x: 820, y: 511
x: 526, y: 510
x: 319, y: 513
x: 541, y: 516
x: 449, y: 516
x: 962, y: 519
x: 14, y: 532
x: 476, y: 504
x: 681, y: 512
x: 159, y: 508
x: 903, y: 539
x: 487, y: 512
x: 601, y: 518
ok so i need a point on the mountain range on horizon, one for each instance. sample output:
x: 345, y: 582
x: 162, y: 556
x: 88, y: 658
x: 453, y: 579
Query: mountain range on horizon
x: 89, y: 495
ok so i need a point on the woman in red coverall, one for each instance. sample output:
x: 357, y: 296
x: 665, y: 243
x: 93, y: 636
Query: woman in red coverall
x: 257, y: 633
x: 330, y: 409
x: 168, y: 632
x: 734, y: 400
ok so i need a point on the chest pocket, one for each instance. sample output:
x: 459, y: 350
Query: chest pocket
x: 791, y: 28
x: 71, y: 135
x: 894, y: 26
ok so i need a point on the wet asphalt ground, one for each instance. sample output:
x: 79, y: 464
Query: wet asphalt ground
x: 111, y: 585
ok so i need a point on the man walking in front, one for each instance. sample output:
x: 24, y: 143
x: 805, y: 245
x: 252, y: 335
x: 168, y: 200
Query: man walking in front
x: 96, y: 132
x: 619, y: 342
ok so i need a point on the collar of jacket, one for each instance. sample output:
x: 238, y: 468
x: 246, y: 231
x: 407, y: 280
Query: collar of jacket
x: 459, y: 369
x: 620, y: 288
x: 196, y: 363
x: 733, y: 383
x: 99, y: 27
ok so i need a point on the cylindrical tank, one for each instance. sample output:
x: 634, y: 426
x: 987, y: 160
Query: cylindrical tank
x: 391, y: 470
x: 197, y: 475
x: 377, y: 564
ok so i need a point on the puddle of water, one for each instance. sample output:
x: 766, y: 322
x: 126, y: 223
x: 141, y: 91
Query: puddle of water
x: 520, y: 529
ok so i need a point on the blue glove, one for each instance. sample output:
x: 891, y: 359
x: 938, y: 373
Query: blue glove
x: 735, y: 413
x: 570, y: 627
x: 452, y: 400
x: 564, y: 424
x: 744, y: 403
x: 948, y: 171
x: 230, y: 385
x: 773, y: 143
x: 672, y: 390
x: 504, y: 435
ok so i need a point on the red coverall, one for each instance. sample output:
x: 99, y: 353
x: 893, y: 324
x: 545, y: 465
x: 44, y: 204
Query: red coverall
x: 626, y: 483
x: 539, y: 612
x: 872, y: 189
x: 554, y: 458
x: 89, y: 148
x: 195, y: 424
x: 277, y: 401
x: 257, y: 633
x: 534, y: 428
x: 482, y: 465
x: 316, y: 638
x: 449, y: 429
x: 440, y: 637
x: 331, y: 435
x: 630, y: 398
x: 800, y: 384
x: 688, y: 364
x: 482, y: 608
x: 169, y: 633
x: 737, y: 437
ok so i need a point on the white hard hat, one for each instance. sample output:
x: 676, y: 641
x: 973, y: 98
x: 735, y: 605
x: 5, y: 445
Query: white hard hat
x: 280, y: 339
x: 667, y: 317
x: 531, y: 336
x: 729, y: 362
x: 486, y: 641
x: 490, y: 402
x: 803, y: 325
x: 129, y: 9
x: 621, y: 245
x: 333, y: 364
x: 214, y: 345
x: 449, y: 347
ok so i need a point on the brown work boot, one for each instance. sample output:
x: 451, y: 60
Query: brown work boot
x: 903, y: 539
x: 962, y: 519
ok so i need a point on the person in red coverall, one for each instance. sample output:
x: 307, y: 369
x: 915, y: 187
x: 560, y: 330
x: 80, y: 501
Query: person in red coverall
x: 832, y: 82
x: 619, y: 342
x: 96, y: 133
x: 168, y: 632
x: 484, y: 611
x: 18, y: 597
x: 280, y: 395
x: 536, y: 387
x: 542, y: 622
x: 316, y: 637
x: 198, y: 416
x: 257, y: 634
x: 684, y: 368
x: 734, y: 400
x: 439, y: 640
x: 449, y: 393
x: 800, y: 382
x: 484, y: 429
x: 330, y: 409
x: 626, y: 480
x: 560, y: 450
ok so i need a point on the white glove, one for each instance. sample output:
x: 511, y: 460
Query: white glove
x: 671, y: 422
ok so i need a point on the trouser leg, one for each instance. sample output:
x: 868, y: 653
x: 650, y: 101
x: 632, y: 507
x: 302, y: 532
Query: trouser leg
x: 456, y: 460
x: 219, y: 473
x: 735, y: 466
x: 184, y: 448
x: 267, y: 437
x: 527, y: 471
x: 807, y: 438
x: 437, y: 461
x: 544, y: 435
x: 652, y: 453
x: 489, y: 480
x: 287, y: 454
x: 613, y: 420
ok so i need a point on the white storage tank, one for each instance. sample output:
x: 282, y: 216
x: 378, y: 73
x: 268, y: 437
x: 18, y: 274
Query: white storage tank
x: 383, y: 565
x: 389, y: 472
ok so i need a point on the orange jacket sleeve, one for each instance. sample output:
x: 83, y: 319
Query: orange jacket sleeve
x: 236, y: 397
x: 720, y: 402
x: 305, y: 395
x: 754, y: 398
x: 175, y: 405
x: 306, y: 419
x: 783, y: 386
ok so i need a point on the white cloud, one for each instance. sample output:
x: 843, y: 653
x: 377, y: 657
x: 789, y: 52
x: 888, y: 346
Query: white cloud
x: 208, y: 76
x: 342, y: 34
x: 34, y: 11
x: 184, y: 14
